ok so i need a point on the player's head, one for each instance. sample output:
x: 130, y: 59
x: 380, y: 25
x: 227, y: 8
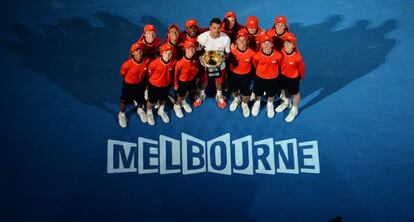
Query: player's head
x: 229, y: 20
x: 191, y: 27
x: 242, y: 40
x: 150, y: 33
x: 189, y: 47
x: 215, y: 27
x: 290, y: 43
x: 267, y: 44
x: 280, y: 25
x: 252, y: 25
x: 166, y: 52
x: 136, y: 51
x: 173, y: 33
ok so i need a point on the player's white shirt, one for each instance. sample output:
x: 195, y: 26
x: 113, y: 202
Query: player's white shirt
x: 221, y: 43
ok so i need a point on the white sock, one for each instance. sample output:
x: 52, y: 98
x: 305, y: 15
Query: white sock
x: 161, y: 108
x: 202, y: 92
x: 219, y: 92
x: 287, y: 100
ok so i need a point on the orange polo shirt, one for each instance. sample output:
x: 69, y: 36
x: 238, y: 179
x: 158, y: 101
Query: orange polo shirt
x: 267, y: 66
x: 133, y: 72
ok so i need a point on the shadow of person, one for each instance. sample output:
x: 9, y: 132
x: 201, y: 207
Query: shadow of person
x: 335, y: 58
x: 79, y: 58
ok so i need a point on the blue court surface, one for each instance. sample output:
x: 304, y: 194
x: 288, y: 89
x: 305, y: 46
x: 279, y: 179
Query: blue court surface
x: 348, y: 156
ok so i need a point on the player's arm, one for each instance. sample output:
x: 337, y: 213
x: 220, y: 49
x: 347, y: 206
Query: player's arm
x: 124, y: 69
x: 177, y: 73
x: 151, y: 68
x: 301, y: 67
x: 227, y: 49
x: 256, y: 59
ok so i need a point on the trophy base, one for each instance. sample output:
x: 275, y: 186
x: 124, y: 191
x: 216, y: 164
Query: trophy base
x: 213, y: 72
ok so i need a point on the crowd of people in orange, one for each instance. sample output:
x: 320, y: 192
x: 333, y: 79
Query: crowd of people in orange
x: 256, y: 64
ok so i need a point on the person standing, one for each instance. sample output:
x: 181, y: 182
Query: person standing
x: 160, y: 78
x: 133, y: 72
x: 292, y: 72
x: 150, y: 41
x: 216, y: 40
x: 184, y: 78
x: 267, y: 63
x: 240, y: 60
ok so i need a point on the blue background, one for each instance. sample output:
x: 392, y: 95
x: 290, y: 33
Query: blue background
x: 60, y: 88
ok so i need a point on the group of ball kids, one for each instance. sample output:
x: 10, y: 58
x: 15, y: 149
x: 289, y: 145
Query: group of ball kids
x: 268, y: 60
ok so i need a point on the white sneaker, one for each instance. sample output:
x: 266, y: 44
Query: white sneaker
x: 255, y: 108
x: 163, y: 116
x: 246, y: 110
x: 150, y: 117
x: 122, y: 120
x: 234, y: 104
x: 252, y: 96
x: 285, y: 104
x: 270, y: 110
x: 292, y: 114
x: 186, y: 107
x: 178, y: 112
x: 142, y: 115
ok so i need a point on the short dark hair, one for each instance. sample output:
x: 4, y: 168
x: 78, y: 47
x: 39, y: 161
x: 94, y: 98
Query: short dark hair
x: 216, y: 21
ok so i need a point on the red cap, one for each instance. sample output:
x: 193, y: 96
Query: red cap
x: 135, y: 47
x: 290, y: 37
x: 189, y: 44
x: 191, y: 22
x: 252, y: 22
x: 149, y: 27
x: 281, y: 19
x: 243, y: 32
x: 266, y: 37
x: 230, y: 14
x: 165, y: 47
x: 173, y: 26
